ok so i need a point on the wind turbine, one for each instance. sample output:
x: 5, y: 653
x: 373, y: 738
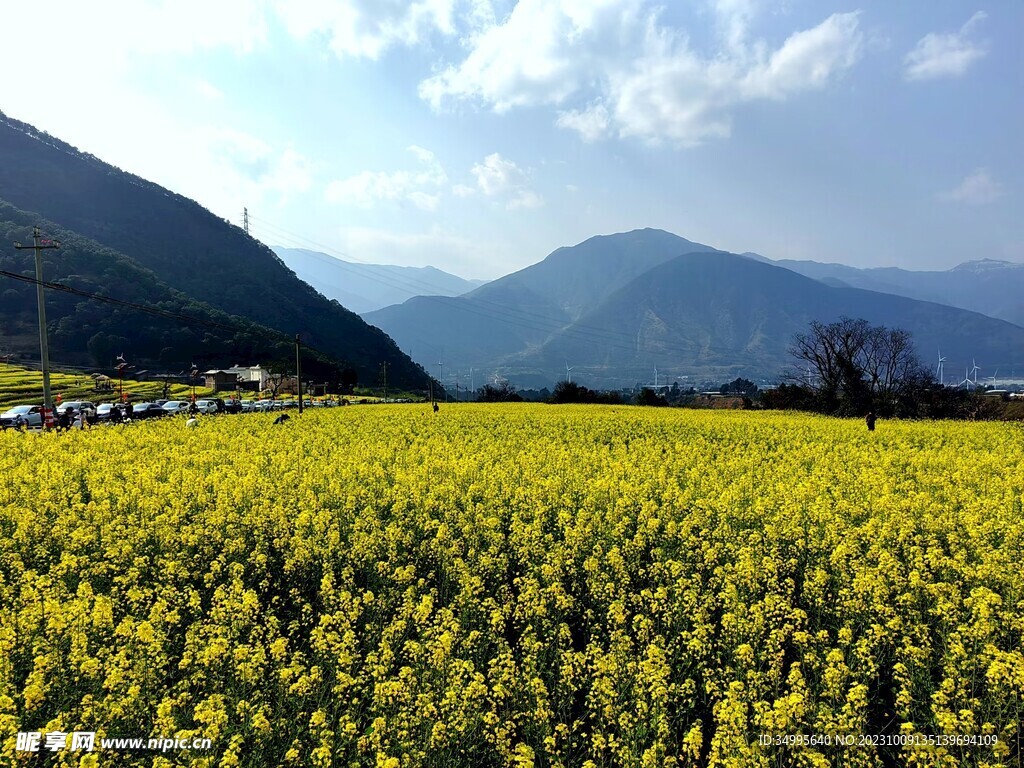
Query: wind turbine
x: 993, y: 378
x: 939, y: 372
x: 655, y: 377
x: 568, y: 374
x: 966, y: 383
x: 975, y: 370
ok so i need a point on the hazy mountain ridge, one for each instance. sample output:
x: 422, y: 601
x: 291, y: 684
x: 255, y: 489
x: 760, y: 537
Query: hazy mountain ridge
x: 990, y: 286
x: 520, y: 311
x: 189, y: 248
x: 693, y: 312
x: 726, y: 313
x: 368, y: 287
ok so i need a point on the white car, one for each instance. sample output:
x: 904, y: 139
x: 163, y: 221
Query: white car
x: 207, y: 407
x: 248, y: 406
x: 176, y: 407
x: 81, y: 406
x: 31, y: 416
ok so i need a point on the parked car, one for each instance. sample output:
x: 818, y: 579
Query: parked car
x: 32, y: 416
x: 232, y: 405
x: 248, y: 406
x: 84, y: 407
x: 147, y: 411
x: 207, y: 407
x: 264, y: 405
x: 176, y: 407
x: 104, y: 412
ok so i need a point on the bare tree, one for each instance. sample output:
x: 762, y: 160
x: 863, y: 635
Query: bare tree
x: 277, y: 375
x: 891, y: 365
x: 857, y: 365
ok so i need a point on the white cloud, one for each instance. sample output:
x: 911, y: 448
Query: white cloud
x: 460, y: 254
x: 979, y: 188
x: 123, y: 27
x: 638, y: 76
x: 591, y: 123
x: 367, y: 28
x: 417, y: 187
x: 945, y: 55
x: 500, y: 178
x: 209, y: 91
x: 542, y: 53
x: 251, y: 165
x: 806, y: 61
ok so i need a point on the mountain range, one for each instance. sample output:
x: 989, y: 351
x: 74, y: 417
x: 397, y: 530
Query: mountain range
x: 366, y: 287
x: 611, y: 310
x: 990, y: 286
x: 189, y: 255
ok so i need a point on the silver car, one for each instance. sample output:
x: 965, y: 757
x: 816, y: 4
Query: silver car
x: 30, y: 416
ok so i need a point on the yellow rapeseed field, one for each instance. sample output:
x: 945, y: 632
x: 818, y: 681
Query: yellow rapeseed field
x: 516, y: 585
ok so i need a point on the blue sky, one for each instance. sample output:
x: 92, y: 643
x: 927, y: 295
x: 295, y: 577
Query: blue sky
x: 479, y: 135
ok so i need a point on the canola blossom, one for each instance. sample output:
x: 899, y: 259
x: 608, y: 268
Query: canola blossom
x: 516, y: 585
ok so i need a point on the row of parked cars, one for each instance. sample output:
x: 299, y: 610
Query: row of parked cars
x: 31, y: 416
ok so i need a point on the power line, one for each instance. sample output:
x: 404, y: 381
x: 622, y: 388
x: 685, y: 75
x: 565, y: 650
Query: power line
x: 120, y: 302
x: 266, y: 333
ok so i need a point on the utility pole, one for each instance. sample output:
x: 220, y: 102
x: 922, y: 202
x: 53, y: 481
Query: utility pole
x: 121, y: 365
x: 384, y: 371
x: 245, y: 220
x: 440, y: 380
x: 39, y: 245
x: 298, y: 369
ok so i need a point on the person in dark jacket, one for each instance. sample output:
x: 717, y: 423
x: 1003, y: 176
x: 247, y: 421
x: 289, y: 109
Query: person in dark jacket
x: 870, y: 421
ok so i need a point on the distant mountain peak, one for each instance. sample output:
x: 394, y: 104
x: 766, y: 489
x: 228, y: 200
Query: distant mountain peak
x: 984, y: 265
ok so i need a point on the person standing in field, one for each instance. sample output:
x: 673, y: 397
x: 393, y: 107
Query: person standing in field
x: 870, y: 421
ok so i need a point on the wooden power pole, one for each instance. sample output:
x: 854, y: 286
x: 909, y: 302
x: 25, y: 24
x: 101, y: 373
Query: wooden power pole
x: 39, y: 245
